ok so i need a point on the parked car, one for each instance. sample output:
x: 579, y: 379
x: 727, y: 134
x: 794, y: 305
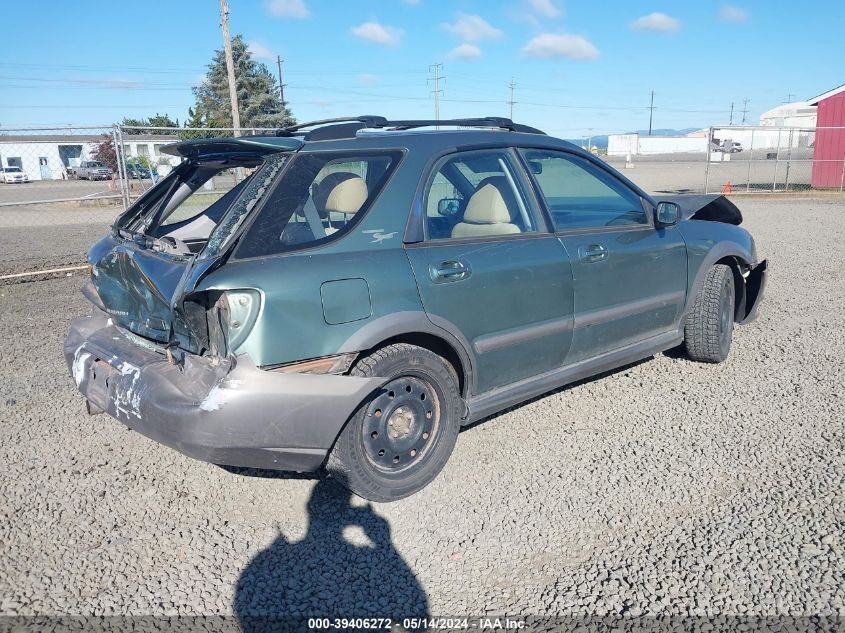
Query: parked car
x: 13, y: 175
x: 90, y: 170
x: 135, y: 171
x: 373, y: 286
x: 729, y: 147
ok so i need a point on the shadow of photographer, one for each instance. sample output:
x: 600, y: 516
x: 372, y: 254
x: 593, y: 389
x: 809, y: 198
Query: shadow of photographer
x: 329, y: 573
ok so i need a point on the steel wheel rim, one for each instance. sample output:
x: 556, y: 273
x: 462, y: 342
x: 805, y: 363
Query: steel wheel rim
x: 401, y: 424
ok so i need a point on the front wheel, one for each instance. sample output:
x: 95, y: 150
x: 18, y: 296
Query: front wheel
x: 400, y: 438
x: 709, y: 327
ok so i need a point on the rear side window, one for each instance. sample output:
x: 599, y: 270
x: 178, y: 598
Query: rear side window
x: 580, y: 195
x: 320, y: 197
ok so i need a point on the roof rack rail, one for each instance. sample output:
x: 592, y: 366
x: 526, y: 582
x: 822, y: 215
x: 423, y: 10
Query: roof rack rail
x: 369, y: 120
x: 489, y: 121
x: 347, y: 127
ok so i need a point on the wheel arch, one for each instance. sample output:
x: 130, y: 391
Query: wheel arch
x: 737, y: 266
x: 737, y: 259
x: 415, y: 328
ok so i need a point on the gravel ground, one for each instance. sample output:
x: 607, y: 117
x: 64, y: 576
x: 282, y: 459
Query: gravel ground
x: 667, y: 487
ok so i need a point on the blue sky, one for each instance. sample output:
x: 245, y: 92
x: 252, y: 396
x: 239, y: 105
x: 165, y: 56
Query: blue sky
x: 579, y: 67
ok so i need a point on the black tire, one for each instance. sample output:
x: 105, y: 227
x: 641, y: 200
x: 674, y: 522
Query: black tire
x: 399, y: 439
x: 709, y: 325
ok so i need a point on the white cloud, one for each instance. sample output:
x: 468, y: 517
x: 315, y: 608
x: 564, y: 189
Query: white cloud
x: 472, y: 28
x: 465, y: 51
x: 288, y: 9
x: 259, y: 51
x: 552, y: 45
x: 656, y: 22
x: 732, y: 14
x: 367, y: 79
x: 545, y: 8
x: 378, y: 33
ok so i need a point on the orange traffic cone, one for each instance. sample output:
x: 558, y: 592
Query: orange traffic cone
x: 727, y: 188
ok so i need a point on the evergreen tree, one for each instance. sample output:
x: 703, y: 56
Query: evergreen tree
x: 158, y: 120
x: 258, y: 93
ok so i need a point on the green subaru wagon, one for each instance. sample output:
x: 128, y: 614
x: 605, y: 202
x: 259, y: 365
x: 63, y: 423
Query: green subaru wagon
x: 348, y: 293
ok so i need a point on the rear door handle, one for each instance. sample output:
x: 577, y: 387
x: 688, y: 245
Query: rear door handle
x: 450, y: 270
x: 593, y: 253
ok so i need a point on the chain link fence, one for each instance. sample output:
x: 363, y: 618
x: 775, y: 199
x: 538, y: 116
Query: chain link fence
x: 772, y: 159
x: 62, y: 187
x: 734, y: 159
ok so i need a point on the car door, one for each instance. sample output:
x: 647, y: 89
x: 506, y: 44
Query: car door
x: 490, y: 271
x: 629, y: 277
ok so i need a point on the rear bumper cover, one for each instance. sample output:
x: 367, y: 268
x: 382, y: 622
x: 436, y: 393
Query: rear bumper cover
x: 228, y: 412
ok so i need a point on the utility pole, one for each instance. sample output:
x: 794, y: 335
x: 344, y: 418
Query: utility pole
x: 436, y: 92
x: 230, y: 67
x: 789, y: 97
x: 512, y: 85
x: 731, y: 122
x: 650, y: 112
x: 279, y: 61
x: 744, y: 109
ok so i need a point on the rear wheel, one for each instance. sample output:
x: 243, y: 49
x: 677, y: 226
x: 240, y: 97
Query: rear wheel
x: 709, y: 326
x: 401, y: 437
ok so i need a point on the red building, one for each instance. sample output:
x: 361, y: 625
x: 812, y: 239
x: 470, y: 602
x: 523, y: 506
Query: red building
x: 829, y: 152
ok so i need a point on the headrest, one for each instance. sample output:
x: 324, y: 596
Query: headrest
x: 340, y: 192
x: 487, y: 206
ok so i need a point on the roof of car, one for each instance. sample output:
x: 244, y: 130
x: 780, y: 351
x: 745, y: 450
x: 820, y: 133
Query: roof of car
x: 374, y: 132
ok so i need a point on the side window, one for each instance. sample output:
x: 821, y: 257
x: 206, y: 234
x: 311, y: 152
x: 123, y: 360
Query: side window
x: 321, y: 196
x: 580, y: 195
x: 476, y: 194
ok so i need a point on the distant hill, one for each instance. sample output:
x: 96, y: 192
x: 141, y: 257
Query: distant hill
x: 600, y: 140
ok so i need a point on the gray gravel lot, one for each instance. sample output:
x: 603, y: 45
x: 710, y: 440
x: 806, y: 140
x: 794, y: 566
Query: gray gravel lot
x: 667, y: 487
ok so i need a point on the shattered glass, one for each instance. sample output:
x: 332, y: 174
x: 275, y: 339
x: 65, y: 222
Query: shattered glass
x: 259, y: 185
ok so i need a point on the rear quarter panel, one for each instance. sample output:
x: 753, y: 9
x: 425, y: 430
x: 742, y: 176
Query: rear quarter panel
x: 293, y: 323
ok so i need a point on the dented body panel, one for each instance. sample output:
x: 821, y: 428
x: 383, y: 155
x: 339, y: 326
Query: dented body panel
x: 225, y: 411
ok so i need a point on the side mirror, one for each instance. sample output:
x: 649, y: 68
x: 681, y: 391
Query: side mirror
x: 668, y: 214
x: 536, y: 167
x: 448, y: 207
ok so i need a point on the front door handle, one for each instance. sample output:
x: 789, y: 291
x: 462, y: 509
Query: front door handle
x: 450, y: 270
x: 593, y: 253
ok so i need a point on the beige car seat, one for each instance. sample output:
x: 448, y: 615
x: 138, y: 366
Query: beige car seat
x: 486, y: 214
x: 340, y: 192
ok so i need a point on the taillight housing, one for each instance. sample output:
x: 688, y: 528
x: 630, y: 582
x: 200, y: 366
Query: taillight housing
x: 238, y: 311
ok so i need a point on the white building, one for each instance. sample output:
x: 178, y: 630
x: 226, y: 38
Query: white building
x: 47, y: 157
x: 638, y: 145
x: 796, y: 114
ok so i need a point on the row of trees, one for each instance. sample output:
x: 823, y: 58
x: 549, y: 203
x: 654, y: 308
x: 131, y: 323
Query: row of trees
x: 259, y: 102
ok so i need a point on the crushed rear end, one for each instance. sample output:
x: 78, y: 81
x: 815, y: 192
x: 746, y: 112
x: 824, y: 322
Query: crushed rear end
x: 162, y: 357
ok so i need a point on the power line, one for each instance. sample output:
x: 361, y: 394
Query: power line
x: 279, y: 61
x: 437, y: 91
x: 512, y: 85
x: 230, y: 66
x: 650, y: 112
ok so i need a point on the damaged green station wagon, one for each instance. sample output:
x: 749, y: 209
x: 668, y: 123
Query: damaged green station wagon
x: 365, y: 287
